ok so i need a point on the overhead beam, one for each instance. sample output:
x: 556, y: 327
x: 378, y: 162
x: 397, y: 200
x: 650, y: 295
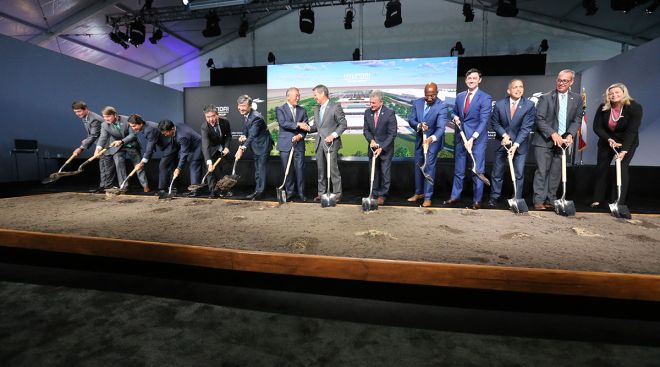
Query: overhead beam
x: 71, y: 21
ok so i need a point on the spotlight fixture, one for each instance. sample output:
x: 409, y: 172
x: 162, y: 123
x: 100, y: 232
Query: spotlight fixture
x: 348, y: 18
x: 185, y: 2
x: 137, y: 33
x: 356, y: 54
x: 468, y: 12
x: 147, y: 5
x: 307, y: 19
x: 651, y: 8
x: 543, y: 47
x: 271, y: 58
x: 156, y: 36
x: 506, y: 8
x: 114, y: 36
x: 212, y: 25
x: 244, y: 27
x: 457, y: 48
x: 393, y: 14
x: 590, y: 7
x: 210, y: 64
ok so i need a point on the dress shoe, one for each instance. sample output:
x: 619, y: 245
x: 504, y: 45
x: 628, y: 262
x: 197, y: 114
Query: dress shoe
x: 381, y: 200
x: 146, y: 189
x: 595, y: 204
x: 317, y: 198
x: 302, y: 198
x: 192, y: 194
x: 97, y: 190
x: 475, y: 206
x: 539, y: 206
x: 492, y: 203
x: 416, y: 197
x: 290, y: 198
x: 426, y: 203
x: 450, y: 202
x: 255, y: 196
x: 549, y: 206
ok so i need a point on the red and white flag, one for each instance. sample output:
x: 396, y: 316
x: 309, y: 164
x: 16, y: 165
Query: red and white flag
x: 582, y: 132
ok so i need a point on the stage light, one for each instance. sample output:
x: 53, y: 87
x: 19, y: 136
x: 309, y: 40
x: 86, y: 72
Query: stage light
x: 589, y: 7
x: 148, y: 4
x: 117, y: 39
x: 356, y: 54
x: 507, y: 8
x: 212, y: 25
x: 156, y: 36
x: 210, y: 4
x: 137, y: 33
x: 457, y: 48
x: 468, y: 12
x: 244, y: 27
x: 271, y: 58
x: 348, y: 18
x: 393, y: 14
x: 543, y: 47
x: 307, y: 20
x: 651, y: 8
x: 185, y: 2
x: 210, y: 64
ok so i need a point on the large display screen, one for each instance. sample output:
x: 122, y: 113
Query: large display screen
x: 350, y: 82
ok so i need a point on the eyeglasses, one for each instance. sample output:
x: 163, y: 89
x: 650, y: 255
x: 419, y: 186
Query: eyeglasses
x: 564, y: 81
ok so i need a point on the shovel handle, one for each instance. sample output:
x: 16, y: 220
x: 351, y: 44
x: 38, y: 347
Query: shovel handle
x: 69, y: 160
x: 135, y: 169
x: 98, y: 155
x: 563, y: 165
x: 617, y: 163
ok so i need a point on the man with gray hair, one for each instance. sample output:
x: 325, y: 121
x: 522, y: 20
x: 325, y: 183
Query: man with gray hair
x: 290, y: 116
x: 330, y: 123
x: 558, y: 116
x: 256, y: 137
x: 380, y: 129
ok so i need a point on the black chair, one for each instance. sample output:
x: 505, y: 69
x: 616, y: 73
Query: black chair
x: 25, y: 146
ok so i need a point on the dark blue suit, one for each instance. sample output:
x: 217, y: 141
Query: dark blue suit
x: 475, y: 120
x: 384, y: 135
x: 518, y: 129
x: 260, y: 142
x: 155, y: 139
x: 436, y: 119
x: 288, y: 129
x: 189, y: 143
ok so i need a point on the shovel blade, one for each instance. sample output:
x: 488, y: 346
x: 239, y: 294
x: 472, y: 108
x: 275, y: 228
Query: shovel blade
x: 328, y: 200
x: 369, y: 204
x: 57, y: 175
x: 620, y: 211
x: 564, y: 207
x: 281, y: 195
x: 518, y: 206
x: 166, y: 195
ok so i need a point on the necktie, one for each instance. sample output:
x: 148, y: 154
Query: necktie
x: 245, y: 121
x: 293, y: 113
x: 513, y: 108
x: 562, y: 114
x: 426, y: 111
x: 376, y: 118
x: 217, y: 130
x: 467, y: 103
x: 120, y: 133
x: 321, y: 113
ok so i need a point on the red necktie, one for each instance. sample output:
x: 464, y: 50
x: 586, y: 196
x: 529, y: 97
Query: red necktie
x: 467, y: 103
x: 513, y: 109
x: 376, y: 119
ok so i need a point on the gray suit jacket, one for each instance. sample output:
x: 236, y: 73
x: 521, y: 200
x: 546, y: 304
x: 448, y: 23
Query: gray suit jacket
x: 333, y: 121
x: 92, y: 124
x: 110, y: 134
x: 546, y: 122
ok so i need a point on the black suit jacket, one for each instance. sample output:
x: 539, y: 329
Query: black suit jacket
x: 385, y: 133
x: 627, y: 128
x: 214, y: 141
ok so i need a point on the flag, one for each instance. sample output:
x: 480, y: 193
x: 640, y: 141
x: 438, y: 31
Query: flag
x: 582, y: 132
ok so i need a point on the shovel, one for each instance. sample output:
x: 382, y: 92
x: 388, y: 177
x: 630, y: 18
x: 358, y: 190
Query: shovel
x: 229, y: 181
x: 328, y: 199
x: 425, y: 148
x: 281, y: 193
x: 480, y: 176
x: 619, y: 210
x: 562, y: 206
x: 121, y: 189
x: 369, y: 203
x: 200, y: 185
x: 95, y: 156
x: 169, y: 194
x: 518, y: 206
x: 56, y: 175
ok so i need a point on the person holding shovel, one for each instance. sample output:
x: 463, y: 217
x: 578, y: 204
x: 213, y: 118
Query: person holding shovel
x: 189, y: 144
x: 380, y: 128
x: 616, y: 123
x: 216, y: 137
x: 256, y: 137
x: 290, y: 118
x: 92, y: 122
x: 512, y: 120
x: 472, y: 111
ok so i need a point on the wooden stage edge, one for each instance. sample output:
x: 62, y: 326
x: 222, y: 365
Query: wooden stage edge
x: 501, y: 278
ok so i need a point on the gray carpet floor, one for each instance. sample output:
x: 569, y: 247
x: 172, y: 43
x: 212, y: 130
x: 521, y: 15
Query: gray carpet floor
x: 43, y: 325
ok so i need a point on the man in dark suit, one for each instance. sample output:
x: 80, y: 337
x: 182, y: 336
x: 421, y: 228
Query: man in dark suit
x: 330, y: 123
x: 558, y: 116
x: 513, y: 120
x: 189, y: 145
x: 290, y: 117
x: 115, y: 133
x: 216, y: 137
x: 92, y: 123
x: 380, y: 127
x: 428, y: 118
x: 256, y: 137
x: 155, y: 139
x: 472, y: 110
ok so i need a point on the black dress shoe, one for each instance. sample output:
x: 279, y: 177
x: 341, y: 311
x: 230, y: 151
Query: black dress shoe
x: 97, y: 190
x: 255, y: 196
x: 192, y: 194
x: 492, y: 203
x: 450, y: 202
x: 302, y: 198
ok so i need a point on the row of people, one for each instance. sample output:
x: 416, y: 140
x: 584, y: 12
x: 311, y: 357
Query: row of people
x: 555, y: 120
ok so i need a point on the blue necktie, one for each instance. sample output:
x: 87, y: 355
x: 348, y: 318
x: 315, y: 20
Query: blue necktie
x: 562, y: 114
x: 321, y: 113
x: 426, y: 111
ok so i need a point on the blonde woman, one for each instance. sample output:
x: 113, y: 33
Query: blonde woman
x: 617, y: 124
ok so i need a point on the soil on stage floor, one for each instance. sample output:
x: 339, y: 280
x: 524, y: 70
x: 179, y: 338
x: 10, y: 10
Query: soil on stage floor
x: 588, y: 241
